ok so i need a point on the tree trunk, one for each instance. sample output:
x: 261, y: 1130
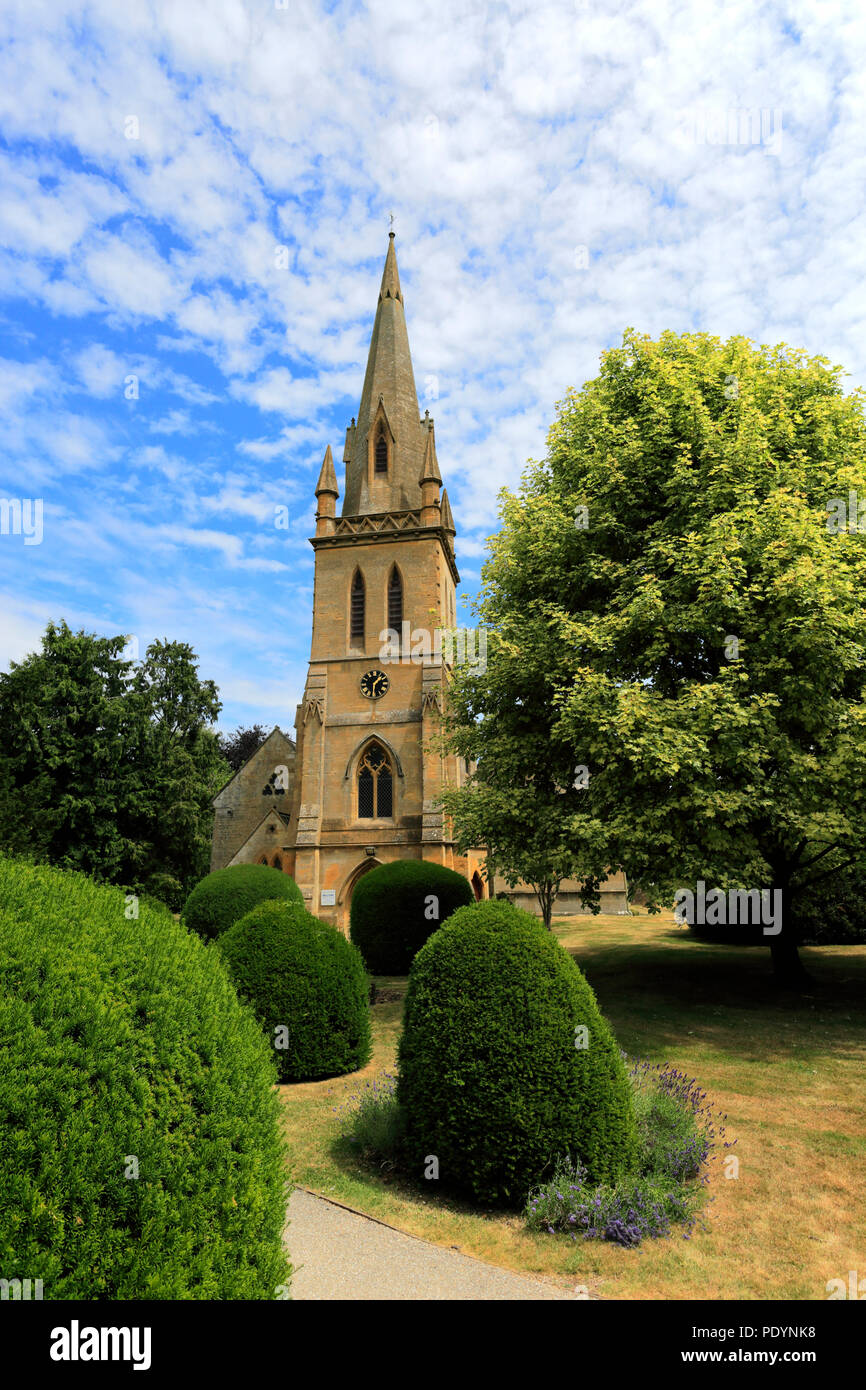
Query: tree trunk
x: 545, y: 893
x: 788, y: 969
x: 548, y: 908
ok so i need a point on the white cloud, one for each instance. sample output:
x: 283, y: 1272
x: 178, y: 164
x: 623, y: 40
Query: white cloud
x: 505, y: 138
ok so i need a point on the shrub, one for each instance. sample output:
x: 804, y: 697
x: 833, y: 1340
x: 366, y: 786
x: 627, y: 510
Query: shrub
x: 303, y: 976
x: 125, y: 1051
x: 225, y: 896
x: 165, y: 889
x: 396, y: 907
x: 371, y: 1120
x: 492, y: 1081
x: 677, y: 1132
x: 571, y: 1205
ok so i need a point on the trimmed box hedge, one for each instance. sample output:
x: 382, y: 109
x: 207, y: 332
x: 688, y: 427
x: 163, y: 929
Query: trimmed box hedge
x: 494, y: 1079
x: 397, y: 906
x: 225, y: 896
x: 142, y: 1150
x: 308, y: 987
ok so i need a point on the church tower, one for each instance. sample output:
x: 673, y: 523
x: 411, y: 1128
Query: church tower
x: 367, y: 775
x: 360, y: 784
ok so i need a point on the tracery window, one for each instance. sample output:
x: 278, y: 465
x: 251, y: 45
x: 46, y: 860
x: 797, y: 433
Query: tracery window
x: 375, y: 784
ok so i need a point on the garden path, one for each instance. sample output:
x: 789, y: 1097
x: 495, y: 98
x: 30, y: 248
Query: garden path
x: 341, y: 1254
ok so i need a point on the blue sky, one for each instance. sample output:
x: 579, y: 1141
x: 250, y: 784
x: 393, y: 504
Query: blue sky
x: 557, y: 172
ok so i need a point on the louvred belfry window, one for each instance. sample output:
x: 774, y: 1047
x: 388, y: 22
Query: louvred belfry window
x: 395, y: 602
x: 357, y: 608
x: 381, y: 454
x: 375, y: 784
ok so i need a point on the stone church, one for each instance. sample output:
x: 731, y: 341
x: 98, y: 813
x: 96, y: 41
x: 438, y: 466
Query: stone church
x: 359, y: 783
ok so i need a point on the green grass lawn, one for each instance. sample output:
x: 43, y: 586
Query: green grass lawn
x: 790, y: 1074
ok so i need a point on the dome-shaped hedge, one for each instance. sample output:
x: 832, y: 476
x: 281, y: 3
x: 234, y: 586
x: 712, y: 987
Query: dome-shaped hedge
x: 225, y: 896
x: 396, y: 907
x: 307, y: 985
x: 491, y: 1081
x: 142, y: 1151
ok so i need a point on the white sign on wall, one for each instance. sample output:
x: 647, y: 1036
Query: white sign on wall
x: 329, y: 897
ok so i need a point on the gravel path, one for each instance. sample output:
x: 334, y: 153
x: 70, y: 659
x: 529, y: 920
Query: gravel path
x: 339, y: 1254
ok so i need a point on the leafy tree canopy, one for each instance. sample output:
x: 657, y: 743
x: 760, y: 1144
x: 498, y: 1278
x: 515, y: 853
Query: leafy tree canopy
x: 240, y: 745
x: 107, y: 765
x: 672, y: 604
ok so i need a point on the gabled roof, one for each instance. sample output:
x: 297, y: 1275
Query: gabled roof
x: 276, y: 731
x: 280, y: 815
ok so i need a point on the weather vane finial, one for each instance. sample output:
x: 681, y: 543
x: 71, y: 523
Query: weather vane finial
x: 390, y: 221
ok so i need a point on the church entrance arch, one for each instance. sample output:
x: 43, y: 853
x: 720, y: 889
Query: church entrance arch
x: 477, y: 886
x: 344, y: 898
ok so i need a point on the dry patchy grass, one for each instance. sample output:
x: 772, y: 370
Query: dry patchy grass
x: 788, y: 1072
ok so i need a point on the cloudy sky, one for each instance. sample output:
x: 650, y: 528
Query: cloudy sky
x: 194, y: 208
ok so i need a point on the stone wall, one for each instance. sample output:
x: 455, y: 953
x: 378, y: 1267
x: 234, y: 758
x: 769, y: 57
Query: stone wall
x: 241, y: 805
x: 614, y: 898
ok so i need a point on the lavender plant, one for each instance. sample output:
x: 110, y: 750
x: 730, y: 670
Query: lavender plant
x: 679, y: 1134
x: 370, y: 1120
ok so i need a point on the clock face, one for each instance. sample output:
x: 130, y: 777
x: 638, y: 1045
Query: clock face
x: 374, y: 684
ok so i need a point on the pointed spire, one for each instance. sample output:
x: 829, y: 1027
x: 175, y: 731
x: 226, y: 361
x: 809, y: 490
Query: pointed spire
x: 430, y: 472
x: 389, y: 387
x: 390, y: 287
x: 447, y: 519
x: 327, y: 478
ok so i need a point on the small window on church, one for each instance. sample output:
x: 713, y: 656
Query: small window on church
x: 381, y: 454
x: 375, y: 785
x: 356, y: 618
x: 395, y: 602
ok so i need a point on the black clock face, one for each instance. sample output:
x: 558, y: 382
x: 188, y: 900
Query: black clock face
x: 374, y: 684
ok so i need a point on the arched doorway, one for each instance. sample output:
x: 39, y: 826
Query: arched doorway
x: 344, y: 899
x: 478, y: 886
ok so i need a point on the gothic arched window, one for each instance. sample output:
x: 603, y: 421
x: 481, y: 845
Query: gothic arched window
x: 395, y: 601
x: 375, y: 784
x: 381, y: 454
x: 357, y: 605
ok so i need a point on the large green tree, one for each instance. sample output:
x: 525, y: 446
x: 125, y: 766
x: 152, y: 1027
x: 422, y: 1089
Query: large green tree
x: 673, y: 604
x: 107, y: 765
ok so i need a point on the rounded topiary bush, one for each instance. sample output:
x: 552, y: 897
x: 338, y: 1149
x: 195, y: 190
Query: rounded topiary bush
x: 225, y: 896
x: 142, y: 1151
x: 396, y: 907
x: 493, y: 1079
x: 307, y: 985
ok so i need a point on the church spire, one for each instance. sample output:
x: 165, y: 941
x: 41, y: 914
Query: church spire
x: 385, y: 445
x: 390, y: 287
x: 326, y: 496
x: 327, y: 478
